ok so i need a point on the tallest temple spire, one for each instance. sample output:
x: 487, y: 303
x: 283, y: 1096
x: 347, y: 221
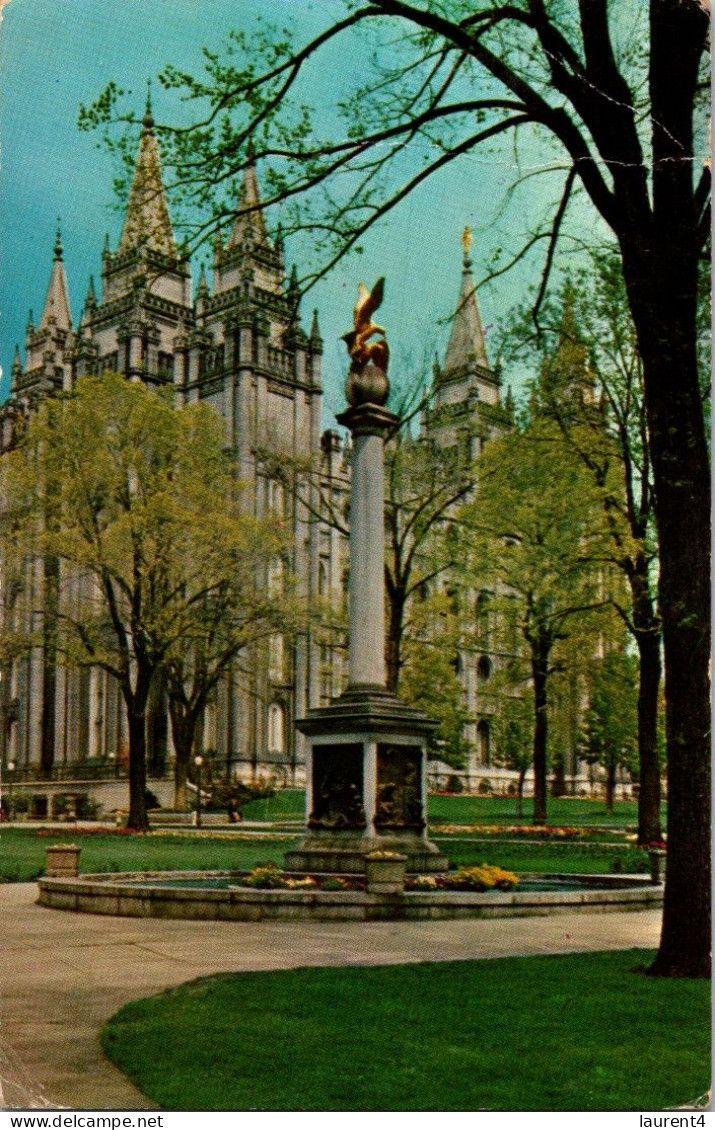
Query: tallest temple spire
x: 147, y: 224
x: 466, y: 343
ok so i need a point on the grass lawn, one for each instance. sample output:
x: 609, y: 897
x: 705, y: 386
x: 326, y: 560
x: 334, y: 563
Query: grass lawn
x: 22, y: 853
x: 289, y: 804
x: 574, y: 812
x: 285, y: 804
x: 576, y: 1032
x: 569, y: 858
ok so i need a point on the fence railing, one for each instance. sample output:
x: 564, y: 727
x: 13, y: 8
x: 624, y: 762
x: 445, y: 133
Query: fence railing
x: 35, y: 774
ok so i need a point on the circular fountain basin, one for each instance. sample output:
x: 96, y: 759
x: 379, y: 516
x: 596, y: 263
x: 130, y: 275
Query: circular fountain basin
x: 219, y: 895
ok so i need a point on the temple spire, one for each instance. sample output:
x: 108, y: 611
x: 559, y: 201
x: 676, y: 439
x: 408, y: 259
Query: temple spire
x: 58, y: 248
x: 90, y: 304
x: 148, y: 120
x: 57, y: 307
x: 16, y: 368
x: 202, y: 291
x: 147, y: 223
x: 315, y: 335
x: 293, y: 286
x: 466, y: 342
x: 248, y: 225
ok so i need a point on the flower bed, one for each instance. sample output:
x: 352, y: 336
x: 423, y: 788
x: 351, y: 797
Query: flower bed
x: 485, y: 877
x: 271, y: 878
x: 163, y: 833
x: 108, y: 830
x: 529, y: 831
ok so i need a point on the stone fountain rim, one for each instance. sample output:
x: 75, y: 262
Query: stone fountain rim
x: 115, y: 894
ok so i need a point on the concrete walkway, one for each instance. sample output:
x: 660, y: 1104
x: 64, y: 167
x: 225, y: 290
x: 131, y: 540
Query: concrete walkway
x: 62, y: 975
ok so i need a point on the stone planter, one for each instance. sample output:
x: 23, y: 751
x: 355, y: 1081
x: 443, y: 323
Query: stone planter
x: 385, y: 876
x: 62, y: 862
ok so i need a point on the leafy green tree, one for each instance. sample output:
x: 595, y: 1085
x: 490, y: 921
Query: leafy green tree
x: 424, y: 485
x: 138, y: 505
x: 610, y: 730
x: 537, y: 536
x: 430, y: 674
x: 222, y: 623
x: 622, y: 99
x: 514, y: 732
x: 591, y: 385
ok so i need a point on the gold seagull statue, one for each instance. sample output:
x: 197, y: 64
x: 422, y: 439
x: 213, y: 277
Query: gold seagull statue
x: 360, y: 348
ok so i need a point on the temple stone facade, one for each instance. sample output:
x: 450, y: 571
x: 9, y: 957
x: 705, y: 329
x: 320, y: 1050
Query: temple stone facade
x: 237, y: 342
x: 466, y: 411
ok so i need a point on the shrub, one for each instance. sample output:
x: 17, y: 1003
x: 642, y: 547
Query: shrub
x: 239, y: 792
x: 422, y: 883
x: 334, y: 884
x: 482, y: 878
x: 81, y: 805
x: 266, y: 877
x: 91, y: 808
x: 61, y: 804
x: 633, y: 862
x: 18, y: 802
x: 270, y: 877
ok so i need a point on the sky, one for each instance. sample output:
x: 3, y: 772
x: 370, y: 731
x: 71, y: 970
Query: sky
x: 56, y: 54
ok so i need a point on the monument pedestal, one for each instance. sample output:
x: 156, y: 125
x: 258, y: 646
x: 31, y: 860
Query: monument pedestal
x: 366, y: 755
x: 366, y: 784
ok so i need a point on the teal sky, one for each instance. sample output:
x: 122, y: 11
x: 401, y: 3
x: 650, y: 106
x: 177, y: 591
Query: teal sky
x: 55, y: 54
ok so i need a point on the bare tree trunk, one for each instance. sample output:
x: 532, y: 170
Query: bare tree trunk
x: 49, y: 662
x: 558, y: 779
x: 520, y: 793
x: 183, y: 732
x: 138, y: 819
x: 136, y: 702
x: 610, y: 784
x: 539, y: 670
x: 393, y: 644
x: 649, y: 829
x: 664, y: 307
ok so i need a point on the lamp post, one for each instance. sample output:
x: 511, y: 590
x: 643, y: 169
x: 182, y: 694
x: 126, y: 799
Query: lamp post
x: 198, y: 762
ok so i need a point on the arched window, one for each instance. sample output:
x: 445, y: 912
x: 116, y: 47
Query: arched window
x: 276, y: 728
x: 276, y: 658
x: 275, y: 577
x: 484, y: 669
x: 323, y: 577
x: 484, y: 741
x: 482, y: 610
x: 275, y: 497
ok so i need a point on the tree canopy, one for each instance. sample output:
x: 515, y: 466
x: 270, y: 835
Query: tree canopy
x: 137, y: 506
x: 536, y: 526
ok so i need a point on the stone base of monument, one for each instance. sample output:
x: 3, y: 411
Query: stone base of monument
x: 344, y: 854
x: 366, y: 784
